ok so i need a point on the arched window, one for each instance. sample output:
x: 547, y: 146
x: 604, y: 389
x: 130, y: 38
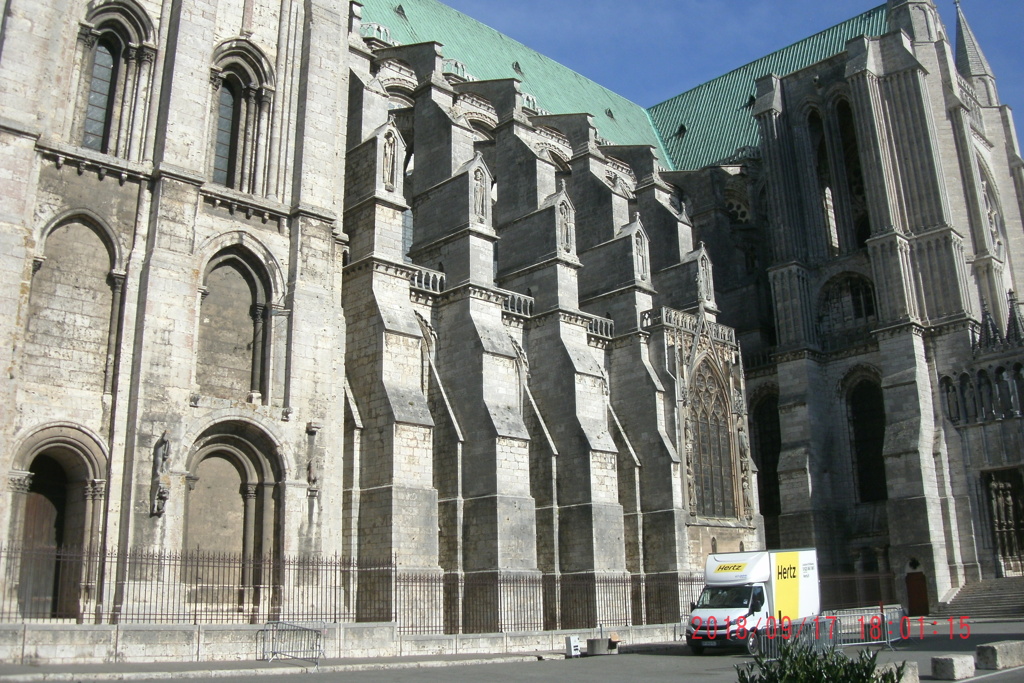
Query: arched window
x: 101, y: 94
x: 823, y: 171
x: 855, y: 189
x: 712, y: 453
x: 766, y: 446
x: 866, y: 415
x: 242, y: 80
x: 233, y: 329
x: 226, y: 146
x: 112, y: 79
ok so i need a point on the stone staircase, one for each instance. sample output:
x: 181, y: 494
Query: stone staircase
x: 990, y: 599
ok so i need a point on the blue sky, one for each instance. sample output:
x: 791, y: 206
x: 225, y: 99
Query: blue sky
x: 651, y: 50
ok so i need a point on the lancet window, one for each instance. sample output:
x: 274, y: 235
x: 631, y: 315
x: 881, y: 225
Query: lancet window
x: 855, y: 188
x: 243, y: 95
x: 866, y: 414
x: 112, y: 80
x: 826, y: 185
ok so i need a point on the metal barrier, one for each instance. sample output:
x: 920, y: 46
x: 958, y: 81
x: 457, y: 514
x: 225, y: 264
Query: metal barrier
x: 867, y: 626
x: 836, y: 629
x: 292, y: 641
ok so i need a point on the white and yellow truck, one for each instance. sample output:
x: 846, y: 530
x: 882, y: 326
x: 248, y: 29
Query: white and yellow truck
x: 750, y: 596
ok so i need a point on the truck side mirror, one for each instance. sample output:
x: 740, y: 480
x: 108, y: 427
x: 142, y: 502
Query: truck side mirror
x: 693, y: 606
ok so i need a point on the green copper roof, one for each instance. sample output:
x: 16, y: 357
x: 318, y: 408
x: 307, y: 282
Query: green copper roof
x: 488, y: 54
x: 717, y: 113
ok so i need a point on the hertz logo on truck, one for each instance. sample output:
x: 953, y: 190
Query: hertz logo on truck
x: 731, y: 568
x: 786, y: 572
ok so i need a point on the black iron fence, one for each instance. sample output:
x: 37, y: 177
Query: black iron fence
x: 150, y: 586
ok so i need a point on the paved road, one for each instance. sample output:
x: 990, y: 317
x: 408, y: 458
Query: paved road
x: 673, y: 662
x: 666, y: 662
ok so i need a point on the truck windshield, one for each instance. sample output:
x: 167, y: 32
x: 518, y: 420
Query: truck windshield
x: 724, y: 596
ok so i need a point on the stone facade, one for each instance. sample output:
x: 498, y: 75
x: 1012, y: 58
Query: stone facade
x: 274, y: 290
x: 275, y: 286
x: 875, y: 241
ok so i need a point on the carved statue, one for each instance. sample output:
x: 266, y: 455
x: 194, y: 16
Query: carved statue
x: 953, y: 403
x: 687, y: 438
x: 748, y: 507
x: 565, y: 214
x: 389, y: 160
x: 312, y: 472
x: 691, y: 490
x: 744, y: 445
x: 160, y: 500
x: 480, y: 194
x: 161, y: 454
x: 704, y: 282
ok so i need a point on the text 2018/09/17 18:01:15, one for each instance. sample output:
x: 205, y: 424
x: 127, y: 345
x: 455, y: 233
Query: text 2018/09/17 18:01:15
x: 871, y: 628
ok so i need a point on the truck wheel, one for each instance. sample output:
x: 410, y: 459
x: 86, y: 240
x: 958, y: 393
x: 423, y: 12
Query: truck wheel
x: 696, y: 649
x: 753, y: 644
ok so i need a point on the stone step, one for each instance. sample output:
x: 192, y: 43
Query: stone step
x: 987, y: 599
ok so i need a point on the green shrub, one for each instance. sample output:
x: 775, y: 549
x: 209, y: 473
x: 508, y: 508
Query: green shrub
x: 798, y: 663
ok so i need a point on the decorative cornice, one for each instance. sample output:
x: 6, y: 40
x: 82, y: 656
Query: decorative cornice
x: 799, y: 354
x: 899, y: 329
x: 83, y: 160
x: 564, y: 316
x: 379, y: 265
x: 238, y: 203
x: 472, y: 291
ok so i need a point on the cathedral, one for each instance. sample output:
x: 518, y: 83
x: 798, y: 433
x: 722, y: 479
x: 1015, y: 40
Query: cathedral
x: 372, y: 281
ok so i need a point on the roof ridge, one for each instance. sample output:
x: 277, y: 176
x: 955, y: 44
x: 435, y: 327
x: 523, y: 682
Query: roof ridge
x: 521, y: 44
x: 710, y: 121
x: 488, y: 53
x: 869, y: 13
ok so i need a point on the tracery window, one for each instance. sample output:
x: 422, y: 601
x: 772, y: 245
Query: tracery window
x: 846, y: 313
x: 712, y: 453
x: 866, y: 413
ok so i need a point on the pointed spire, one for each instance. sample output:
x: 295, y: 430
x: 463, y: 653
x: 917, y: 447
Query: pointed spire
x: 970, y: 60
x: 1014, y: 326
x: 990, y: 336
